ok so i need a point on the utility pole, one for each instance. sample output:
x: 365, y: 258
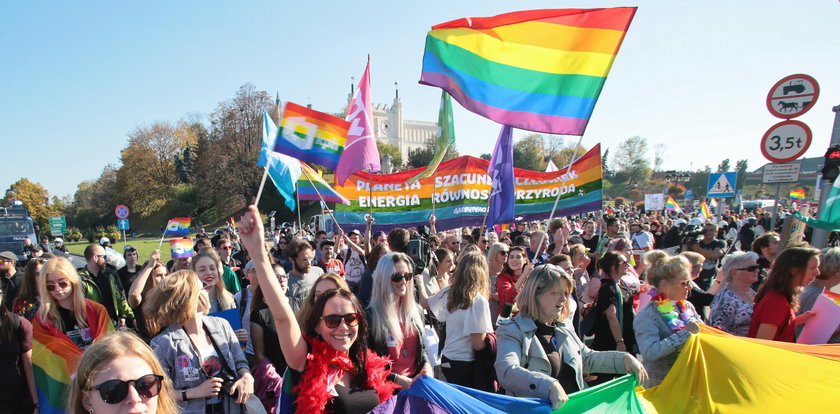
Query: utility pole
x: 829, y: 174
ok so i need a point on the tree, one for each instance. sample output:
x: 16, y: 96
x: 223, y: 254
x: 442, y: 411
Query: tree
x: 631, y: 160
x: 676, y: 190
x: 94, y: 201
x: 605, y: 167
x: 741, y: 176
x: 393, y: 151
x: 659, y: 155
x: 486, y: 156
x: 723, y: 166
x: 421, y: 157
x: 36, y: 199
x: 529, y: 153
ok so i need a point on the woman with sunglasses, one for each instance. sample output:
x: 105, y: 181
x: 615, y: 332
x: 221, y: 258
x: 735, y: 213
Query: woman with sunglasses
x: 120, y: 374
x: 66, y: 324
x: 777, y: 300
x: 539, y: 355
x: 329, y: 365
x: 664, y: 324
x: 732, y: 306
x: 149, y: 276
x: 513, y: 275
x: 200, y: 353
x: 325, y: 282
x: 396, y: 325
x: 27, y: 302
x: 464, y: 308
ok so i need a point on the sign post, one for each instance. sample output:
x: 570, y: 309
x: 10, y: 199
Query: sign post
x: 122, y: 212
x: 58, y: 226
x: 721, y: 185
x: 792, y: 96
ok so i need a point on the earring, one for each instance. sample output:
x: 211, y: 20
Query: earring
x: 90, y: 411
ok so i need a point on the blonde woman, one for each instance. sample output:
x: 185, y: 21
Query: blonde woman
x: 396, y: 325
x: 464, y: 307
x: 121, y: 374
x: 208, y: 266
x: 200, y: 353
x: 66, y: 323
x: 538, y: 353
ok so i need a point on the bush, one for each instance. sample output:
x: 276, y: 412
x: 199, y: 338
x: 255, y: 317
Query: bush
x: 73, y: 234
x: 113, y: 233
x: 619, y: 201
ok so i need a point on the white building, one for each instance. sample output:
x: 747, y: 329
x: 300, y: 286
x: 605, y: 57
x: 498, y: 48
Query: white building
x: 391, y: 128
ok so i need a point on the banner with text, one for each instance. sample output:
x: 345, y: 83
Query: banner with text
x: 459, y: 191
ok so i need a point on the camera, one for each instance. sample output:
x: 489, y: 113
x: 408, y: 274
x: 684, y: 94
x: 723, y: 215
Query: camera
x: 420, y: 250
x: 227, y: 382
x: 691, y: 235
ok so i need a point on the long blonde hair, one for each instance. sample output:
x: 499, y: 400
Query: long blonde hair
x: 388, y: 312
x: 218, y: 292
x: 102, y: 353
x: 173, y: 301
x: 469, y: 280
x: 48, y: 312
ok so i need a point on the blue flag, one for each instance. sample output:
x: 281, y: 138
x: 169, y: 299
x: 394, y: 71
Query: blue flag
x: 501, y: 170
x: 283, y: 169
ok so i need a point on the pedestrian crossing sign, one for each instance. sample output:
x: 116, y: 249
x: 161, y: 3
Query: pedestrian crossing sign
x: 721, y: 184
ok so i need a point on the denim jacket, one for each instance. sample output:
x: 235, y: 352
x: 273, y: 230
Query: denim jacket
x: 523, y: 368
x: 175, y: 352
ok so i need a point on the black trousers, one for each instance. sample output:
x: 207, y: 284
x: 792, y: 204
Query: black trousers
x: 459, y: 372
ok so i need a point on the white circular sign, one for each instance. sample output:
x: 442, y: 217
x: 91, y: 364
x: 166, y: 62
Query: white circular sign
x: 793, y: 96
x: 786, y: 141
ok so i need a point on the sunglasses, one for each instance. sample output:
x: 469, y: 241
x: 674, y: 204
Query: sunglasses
x: 115, y: 391
x: 63, y: 285
x: 398, y: 277
x: 225, y: 248
x: 332, y: 321
x: 752, y: 268
x: 101, y: 256
x: 504, y: 252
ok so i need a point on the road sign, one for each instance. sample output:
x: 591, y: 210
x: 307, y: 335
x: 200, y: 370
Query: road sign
x: 122, y: 224
x: 792, y: 96
x: 58, y: 226
x: 721, y: 185
x: 689, y: 194
x: 786, y: 141
x: 121, y: 211
x: 781, y: 173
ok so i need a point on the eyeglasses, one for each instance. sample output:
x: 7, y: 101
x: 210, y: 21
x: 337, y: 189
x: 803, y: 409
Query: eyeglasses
x: 115, y: 391
x: 332, y: 321
x: 225, y: 248
x: 752, y: 268
x: 504, y: 252
x: 454, y: 242
x: 398, y: 277
x: 62, y: 284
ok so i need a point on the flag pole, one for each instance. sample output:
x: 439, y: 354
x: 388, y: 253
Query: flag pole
x: 322, y: 199
x: 300, y: 223
x: 557, y: 200
x: 262, y: 184
x: 163, y: 235
x: 370, y: 193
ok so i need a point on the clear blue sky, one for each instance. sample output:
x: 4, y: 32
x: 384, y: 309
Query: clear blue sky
x: 75, y: 78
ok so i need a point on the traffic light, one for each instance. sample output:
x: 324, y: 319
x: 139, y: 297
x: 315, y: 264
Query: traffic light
x: 831, y: 167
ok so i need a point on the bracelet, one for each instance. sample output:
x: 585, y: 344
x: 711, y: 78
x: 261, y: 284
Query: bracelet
x: 184, y: 395
x: 619, y: 342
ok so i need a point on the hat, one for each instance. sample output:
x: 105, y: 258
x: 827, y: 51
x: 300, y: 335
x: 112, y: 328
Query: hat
x: 696, y: 221
x: 679, y: 222
x: 58, y: 240
x: 7, y: 255
x: 356, y: 232
x: 104, y: 241
x: 248, y: 266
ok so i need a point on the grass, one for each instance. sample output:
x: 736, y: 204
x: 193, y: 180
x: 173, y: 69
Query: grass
x: 144, y: 247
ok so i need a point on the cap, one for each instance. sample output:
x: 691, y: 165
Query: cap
x: 58, y: 240
x: 7, y: 255
x: 248, y: 266
x: 356, y: 232
x: 679, y: 221
x: 103, y: 241
x: 696, y: 221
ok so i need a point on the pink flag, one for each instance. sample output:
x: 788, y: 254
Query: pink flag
x: 360, y: 152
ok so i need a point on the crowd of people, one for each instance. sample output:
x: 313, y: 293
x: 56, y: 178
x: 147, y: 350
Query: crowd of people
x: 340, y: 323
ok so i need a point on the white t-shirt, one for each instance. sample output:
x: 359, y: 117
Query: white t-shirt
x: 461, y: 324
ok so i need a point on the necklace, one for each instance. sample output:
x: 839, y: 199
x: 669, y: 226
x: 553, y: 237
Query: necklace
x: 676, y: 313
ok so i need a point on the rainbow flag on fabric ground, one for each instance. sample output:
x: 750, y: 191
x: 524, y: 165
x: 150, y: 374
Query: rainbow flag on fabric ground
x: 671, y: 205
x: 540, y: 70
x: 310, y: 180
x: 179, y: 226
x: 55, y: 356
x: 797, y: 194
x: 312, y: 136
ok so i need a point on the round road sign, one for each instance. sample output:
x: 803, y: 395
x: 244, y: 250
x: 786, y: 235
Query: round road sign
x: 786, y: 141
x: 792, y: 96
x: 121, y: 211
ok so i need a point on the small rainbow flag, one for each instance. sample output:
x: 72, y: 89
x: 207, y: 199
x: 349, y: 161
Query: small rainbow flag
x: 713, y: 203
x: 306, y: 188
x: 55, y: 356
x: 797, y: 194
x: 540, y: 70
x: 671, y: 205
x: 179, y: 226
x: 181, y: 248
x: 704, y: 211
x: 312, y: 136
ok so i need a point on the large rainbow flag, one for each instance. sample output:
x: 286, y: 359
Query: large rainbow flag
x: 310, y: 180
x: 312, y: 136
x: 55, y: 356
x: 540, y: 70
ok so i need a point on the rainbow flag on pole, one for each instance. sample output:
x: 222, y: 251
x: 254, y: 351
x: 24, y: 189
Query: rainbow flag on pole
x: 179, y: 226
x: 312, y: 136
x: 55, y: 356
x: 671, y: 205
x: 306, y: 188
x: 181, y: 248
x: 797, y: 194
x: 704, y: 211
x: 540, y: 70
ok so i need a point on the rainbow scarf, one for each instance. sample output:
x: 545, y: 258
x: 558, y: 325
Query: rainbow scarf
x: 55, y: 356
x: 540, y: 70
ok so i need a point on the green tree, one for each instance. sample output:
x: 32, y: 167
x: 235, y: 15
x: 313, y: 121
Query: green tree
x: 632, y: 162
x: 658, y: 156
x: 741, y: 170
x: 605, y: 166
x: 36, y: 199
x: 94, y: 201
x: 486, y: 156
x: 723, y: 166
x: 421, y: 157
x: 393, y: 151
x: 529, y: 153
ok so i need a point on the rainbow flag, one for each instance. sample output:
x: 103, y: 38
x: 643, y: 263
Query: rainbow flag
x: 797, y: 194
x: 310, y: 180
x: 713, y: 203
x: 181, y: 248
x: 312, y: 136
x: 671, y: 205
x: 179, y: 226
x: 540, y: 70
x: 55, y: 356
x: 704, y: 211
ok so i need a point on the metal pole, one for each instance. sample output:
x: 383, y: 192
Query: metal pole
x: 775, y: 208
x: 720, y: 209
x: 819, y: 236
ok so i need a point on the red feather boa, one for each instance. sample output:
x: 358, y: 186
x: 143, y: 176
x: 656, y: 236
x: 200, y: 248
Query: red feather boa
x: 312, y: 395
